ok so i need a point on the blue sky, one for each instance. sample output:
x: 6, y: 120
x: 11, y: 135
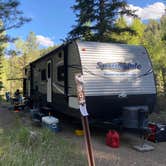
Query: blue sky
x: 53, y: 19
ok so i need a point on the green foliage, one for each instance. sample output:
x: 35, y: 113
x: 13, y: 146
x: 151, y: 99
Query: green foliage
x: 23, y: 136
x: 11, y: 16
x: 95, y: 19
x: 27, y: 50
x: 12, y: 70
x: 156, y: 46
x: 127, y: 37
x: 85, y: 15
x: 106, y: 14
x: 3, y: 71
x: 2, y: 47
x: 44, y: 51
x: 19, y: 147
x: 163, y: 27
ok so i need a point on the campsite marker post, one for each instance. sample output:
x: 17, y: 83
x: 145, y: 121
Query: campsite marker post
x: 84, y: 118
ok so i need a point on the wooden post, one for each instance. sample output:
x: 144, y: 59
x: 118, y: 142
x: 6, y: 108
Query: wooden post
x: 84, y: 118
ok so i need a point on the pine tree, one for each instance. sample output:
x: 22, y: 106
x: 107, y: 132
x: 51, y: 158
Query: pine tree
x: 84, y: 10
x: 100, y: 16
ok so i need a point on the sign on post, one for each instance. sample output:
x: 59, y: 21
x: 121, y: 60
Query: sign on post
x: 84, y: 117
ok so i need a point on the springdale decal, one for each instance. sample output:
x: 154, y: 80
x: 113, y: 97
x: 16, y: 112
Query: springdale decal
x: 118, y: 66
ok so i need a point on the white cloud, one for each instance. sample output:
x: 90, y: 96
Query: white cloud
x: 153, y: 11
x: 44, y: 41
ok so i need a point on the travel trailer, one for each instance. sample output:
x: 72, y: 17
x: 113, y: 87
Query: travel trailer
x: 118, y: 81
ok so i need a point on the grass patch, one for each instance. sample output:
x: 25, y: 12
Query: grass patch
x: 23, y: 147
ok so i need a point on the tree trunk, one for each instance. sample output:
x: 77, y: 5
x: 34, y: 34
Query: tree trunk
x: 101, y: 20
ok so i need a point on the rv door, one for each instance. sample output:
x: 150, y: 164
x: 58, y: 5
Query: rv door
x: 49, y: 86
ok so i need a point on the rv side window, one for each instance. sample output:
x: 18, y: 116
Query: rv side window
x: 29, y: 75
x: 43, y: 75
x: 48, y: 70
x: 60, y: 73
x: 25, y: 71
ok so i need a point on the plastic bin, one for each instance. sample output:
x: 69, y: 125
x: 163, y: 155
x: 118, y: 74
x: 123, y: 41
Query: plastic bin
x: 51, y: 123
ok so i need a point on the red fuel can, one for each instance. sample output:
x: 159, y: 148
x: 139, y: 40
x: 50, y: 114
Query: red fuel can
x: 112, y: 139
x: 152, y: 136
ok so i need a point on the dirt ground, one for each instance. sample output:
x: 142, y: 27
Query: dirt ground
x: 125, y: 155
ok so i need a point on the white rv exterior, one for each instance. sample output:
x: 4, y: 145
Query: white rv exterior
x: 103, y: 66
x: 116, y: 76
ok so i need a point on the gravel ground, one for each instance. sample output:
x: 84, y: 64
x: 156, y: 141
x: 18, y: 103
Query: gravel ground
x: 125, y: 155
